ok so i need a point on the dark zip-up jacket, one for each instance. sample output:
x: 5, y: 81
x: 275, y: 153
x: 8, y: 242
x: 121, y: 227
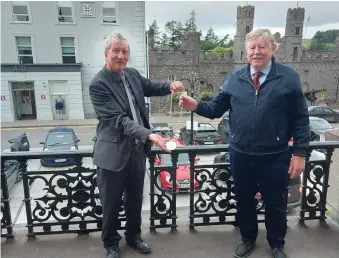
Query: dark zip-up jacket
x: 263, y: 121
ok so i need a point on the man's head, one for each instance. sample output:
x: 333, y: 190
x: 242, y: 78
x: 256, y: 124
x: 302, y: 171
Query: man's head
x: 260, y: 47
x: 117, y: 52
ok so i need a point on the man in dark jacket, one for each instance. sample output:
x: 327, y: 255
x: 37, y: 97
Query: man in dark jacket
x: 267, y: 108
x: 123, y: 139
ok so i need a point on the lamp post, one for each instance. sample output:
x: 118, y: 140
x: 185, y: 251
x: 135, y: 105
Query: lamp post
x: 193, y: 80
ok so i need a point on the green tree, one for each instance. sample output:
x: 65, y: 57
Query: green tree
x: 190, y: 24
x: 226, y: 42
x: 164, y: 39
x: 328, y: 36
x: 174, y: 29
x: 157, y: 40
x: 324, y: 40
x: 211, y: 36
x: 207, y: 45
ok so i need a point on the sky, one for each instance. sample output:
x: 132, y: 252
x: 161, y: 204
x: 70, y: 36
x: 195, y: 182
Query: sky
x: 221, y: 15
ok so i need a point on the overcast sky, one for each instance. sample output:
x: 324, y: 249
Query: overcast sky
x: 221, y: 15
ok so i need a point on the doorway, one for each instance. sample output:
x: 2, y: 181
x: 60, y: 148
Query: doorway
x: 23, y: 96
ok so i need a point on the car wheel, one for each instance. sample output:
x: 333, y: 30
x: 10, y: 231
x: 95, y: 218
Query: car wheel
x: 42, y: 162
x: 337, y: 119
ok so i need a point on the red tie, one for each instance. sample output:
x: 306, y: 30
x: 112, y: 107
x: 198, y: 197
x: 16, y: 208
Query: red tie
x: 256, y: 79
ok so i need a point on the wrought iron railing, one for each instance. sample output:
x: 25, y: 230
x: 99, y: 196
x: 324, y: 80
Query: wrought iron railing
x: 68, y: 201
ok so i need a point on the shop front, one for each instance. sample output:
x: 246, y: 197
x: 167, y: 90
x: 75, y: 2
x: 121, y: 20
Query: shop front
x: 41, y: 92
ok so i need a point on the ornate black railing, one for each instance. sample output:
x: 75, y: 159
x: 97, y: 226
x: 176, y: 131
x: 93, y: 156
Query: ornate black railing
x: 67, y: 201
x: 213, y: 202
x: 6, y: 218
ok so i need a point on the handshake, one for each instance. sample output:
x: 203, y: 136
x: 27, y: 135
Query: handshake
x: 185, y: 101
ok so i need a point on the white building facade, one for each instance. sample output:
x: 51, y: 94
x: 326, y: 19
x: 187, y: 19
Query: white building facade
x: 51, y: 50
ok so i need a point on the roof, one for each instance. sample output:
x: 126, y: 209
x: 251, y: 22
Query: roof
x: 61, y: 130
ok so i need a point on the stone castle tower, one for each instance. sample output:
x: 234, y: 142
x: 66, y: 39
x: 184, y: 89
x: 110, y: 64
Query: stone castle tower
x: 293, y: 35
x: 245, y: 17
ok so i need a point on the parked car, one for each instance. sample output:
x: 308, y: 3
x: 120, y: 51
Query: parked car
x: 11, y: 167
x: 203, y: 134
x: 162, y: 129
x: 329, y: 114
x: 318, y: 128
x: 12, y: 172
x: 183, y: 171
x: 60, y: 139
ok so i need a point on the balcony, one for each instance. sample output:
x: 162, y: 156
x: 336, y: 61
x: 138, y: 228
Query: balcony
x: 199, y: 223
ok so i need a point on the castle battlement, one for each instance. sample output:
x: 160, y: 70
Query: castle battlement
x: 170, y: 56
x: 220, y: 56
x: 296, y: 14
x: 319, y: 56
x: 244, y: 12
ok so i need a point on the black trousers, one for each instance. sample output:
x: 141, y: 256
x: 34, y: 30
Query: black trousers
x: 112, y: 185
x: 270, y: 172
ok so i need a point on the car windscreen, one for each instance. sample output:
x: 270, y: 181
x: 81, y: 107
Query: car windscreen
x: 182, y: 159
x: 320, y: 125
x: 59, y: 139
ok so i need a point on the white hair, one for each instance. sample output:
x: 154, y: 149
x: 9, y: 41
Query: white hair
x: 112, y: 37
x: 266, y: 34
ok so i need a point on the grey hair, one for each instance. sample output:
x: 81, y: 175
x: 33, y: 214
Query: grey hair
x: 266, y: 34
x: 112, y: 37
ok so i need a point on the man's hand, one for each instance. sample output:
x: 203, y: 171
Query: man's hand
x: 159, y: 142
x: 188, y: 103
x: 297, y: 166
x: 176, y: 87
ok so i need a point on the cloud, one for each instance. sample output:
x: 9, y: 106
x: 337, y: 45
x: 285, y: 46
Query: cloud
x: 222, y: 15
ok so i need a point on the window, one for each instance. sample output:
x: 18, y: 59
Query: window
x: 20, y: 11
x: 65, y: 14
x: 295, y: 54
x: 109, y: 12
x: 247, y: 29
x: 297, y: 31
x: 171, y: 77
x: 68, y: 50
x: 328, y: 111
x: 24, y: 48
x: 58, y: 87
x: 241, y: 55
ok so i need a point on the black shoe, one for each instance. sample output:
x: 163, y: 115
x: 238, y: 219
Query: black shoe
x: 140, y: 246
x: 278, y: 253
x: 113, y: 252
x: 243, y: 249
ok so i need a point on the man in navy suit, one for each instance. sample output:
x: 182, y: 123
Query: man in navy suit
x: 267, y: 108
x: 123, y: 140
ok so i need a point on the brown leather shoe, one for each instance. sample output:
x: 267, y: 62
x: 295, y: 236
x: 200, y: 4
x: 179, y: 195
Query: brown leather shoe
x: 243, y: 249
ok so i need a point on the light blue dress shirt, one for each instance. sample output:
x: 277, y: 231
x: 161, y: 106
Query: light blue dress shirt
x: 264, y: 71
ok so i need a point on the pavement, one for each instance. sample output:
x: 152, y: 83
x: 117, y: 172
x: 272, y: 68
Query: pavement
x: 154, y: 118
x: 314, y: 240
